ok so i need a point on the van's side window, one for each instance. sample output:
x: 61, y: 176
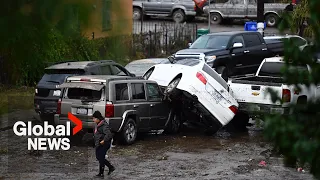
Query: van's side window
x: 138, y: 91
x: 122, y: 92
x: 153, y: 91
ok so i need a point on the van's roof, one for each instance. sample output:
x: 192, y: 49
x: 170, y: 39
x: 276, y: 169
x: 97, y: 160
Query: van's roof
x: 100, y: 78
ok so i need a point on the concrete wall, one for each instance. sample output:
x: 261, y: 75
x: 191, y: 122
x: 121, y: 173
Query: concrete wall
x: 120, y: 20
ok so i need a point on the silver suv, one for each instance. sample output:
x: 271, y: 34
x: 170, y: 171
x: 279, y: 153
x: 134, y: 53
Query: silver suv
x: 129, y: 104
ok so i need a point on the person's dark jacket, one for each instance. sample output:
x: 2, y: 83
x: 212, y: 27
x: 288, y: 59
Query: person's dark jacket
x: 103, y: 133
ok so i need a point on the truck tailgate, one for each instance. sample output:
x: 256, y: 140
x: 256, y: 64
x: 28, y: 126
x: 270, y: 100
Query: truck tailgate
x: 254, y: 93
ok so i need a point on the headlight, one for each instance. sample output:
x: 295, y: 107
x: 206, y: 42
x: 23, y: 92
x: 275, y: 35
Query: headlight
x: 210, y: 59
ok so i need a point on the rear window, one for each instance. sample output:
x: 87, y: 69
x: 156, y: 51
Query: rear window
x: 58, y: 76
x: 188, y: 62
x: 83, y: 94
x: 274, y: 69
x: 214, y: 75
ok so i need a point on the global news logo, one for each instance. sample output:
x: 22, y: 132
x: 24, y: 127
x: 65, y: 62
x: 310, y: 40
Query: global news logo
x: 48, y: 137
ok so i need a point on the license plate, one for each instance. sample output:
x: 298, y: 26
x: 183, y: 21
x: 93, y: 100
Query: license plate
x: 82, y: 111
x: 214, y: 93
x: 56, y: 93
x: 276, y: 111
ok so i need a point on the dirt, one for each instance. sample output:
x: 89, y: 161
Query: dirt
x: 188, y: 155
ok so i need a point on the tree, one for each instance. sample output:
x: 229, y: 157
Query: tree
x: 297, y: 136
x: 35, y: 31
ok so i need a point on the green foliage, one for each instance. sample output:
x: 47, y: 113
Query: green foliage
x: 297, y: 136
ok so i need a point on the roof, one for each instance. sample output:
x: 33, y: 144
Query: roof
x: 101, y: 77
x: 280, y: 37
x: 77, y: 64
x: 274, y: 59
x: 230, y: 33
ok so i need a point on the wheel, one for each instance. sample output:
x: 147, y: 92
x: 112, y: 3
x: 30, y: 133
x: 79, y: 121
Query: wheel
x: 137, y: 13
x: 215, y: 18
x: 172, y: 86
x: 129, y: 132
x: 178, y: 16
x: 272, y: 20
x: 223, y: 71
x: 174, y: 123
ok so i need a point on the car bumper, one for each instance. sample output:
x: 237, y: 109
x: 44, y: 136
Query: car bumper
x: 114, y: 123
x: 254, y: 109
x: 45, y: 106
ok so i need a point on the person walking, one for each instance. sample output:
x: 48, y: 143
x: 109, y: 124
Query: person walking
x: 102, y: 141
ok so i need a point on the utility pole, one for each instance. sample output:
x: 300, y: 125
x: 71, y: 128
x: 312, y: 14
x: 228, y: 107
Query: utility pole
x: 260, y: 16
x: 209, y: 17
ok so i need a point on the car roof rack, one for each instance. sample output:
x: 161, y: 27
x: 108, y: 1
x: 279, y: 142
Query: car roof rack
x: 100, y: 62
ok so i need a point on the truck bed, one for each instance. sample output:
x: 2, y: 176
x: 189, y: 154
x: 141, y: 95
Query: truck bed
x: 259, y: 80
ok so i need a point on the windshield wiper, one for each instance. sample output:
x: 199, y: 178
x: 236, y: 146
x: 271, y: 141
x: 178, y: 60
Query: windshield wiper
x: 54, y: 82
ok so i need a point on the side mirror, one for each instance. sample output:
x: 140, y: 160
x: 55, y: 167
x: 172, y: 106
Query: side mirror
x: 189, y: 44
x: 237, y: 45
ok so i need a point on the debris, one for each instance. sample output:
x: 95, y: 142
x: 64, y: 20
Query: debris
x: 262, y: 163
x: 184, y: 136
x: 228, y: 149
x: 250, y: 159
x: 300, y: 169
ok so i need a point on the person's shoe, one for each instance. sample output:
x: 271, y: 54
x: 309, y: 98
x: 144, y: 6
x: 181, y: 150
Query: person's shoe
x: 99, y: 176
x: 111, y: 170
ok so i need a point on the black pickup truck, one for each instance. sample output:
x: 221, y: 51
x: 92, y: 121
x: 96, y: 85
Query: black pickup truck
x: 232, y: 53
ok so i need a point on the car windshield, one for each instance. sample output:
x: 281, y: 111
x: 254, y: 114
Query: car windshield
x: 83, y: 94
x: 211, y: 42
x: 139, y: 69
x: 58, y: 75
x: 274, y: 69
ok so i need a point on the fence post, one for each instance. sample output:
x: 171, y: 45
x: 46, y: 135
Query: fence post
x: 155, y: 40
x: 150, y: 42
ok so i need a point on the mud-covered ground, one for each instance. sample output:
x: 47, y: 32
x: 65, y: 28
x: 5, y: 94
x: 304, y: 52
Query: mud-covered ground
x: 189, y: 155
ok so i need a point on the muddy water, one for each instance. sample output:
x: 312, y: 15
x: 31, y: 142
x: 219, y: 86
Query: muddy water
x: 189, y: 155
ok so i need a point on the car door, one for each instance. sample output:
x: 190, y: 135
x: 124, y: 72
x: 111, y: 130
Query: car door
x: 159, y: 110
x: 140, y: 104
x: 152, y: 6
x: 167, y: 5
x: 251, y: 8
x: 237, y: 56
x: 237, y: 8
x: 255, y: 51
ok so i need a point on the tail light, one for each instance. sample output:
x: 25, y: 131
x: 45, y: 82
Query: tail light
x: 59, y: 107
x: 286, y: 95
x: 109, y: 110
x: 201, y: 77
x: 195, y: 7
x: 234, y: 109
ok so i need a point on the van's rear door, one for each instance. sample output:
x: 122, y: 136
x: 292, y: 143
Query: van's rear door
x: 82, y: 99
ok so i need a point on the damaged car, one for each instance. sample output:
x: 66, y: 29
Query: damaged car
x: 199, y: 91
x: 131, y: 105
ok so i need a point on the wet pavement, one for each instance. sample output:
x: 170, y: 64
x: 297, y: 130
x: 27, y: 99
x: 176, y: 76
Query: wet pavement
x: 188, y: 155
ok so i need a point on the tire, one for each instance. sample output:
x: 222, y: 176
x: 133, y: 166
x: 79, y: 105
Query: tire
x: 178, y: 16
x: 223, y: 71
x: 215, y: 18
x: 172, y: 86
x: 137, y: 13
x: 271, y: 20
x: 129, y: 132
x: 174, y: 124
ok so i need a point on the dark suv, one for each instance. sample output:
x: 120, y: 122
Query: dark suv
x: 47, y: 93
x: 130, y: 105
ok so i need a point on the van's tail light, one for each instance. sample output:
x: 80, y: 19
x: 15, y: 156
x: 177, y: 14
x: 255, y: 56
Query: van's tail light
x: 59, y: 107
x: 109, y: 110
x: 201, y: 77
x: 286, y: 95
x: 234, y: 109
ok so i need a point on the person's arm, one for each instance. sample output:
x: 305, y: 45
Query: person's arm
x: 107, y: 132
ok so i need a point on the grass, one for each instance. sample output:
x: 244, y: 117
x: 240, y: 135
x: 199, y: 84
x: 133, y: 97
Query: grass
x: 18, y: 98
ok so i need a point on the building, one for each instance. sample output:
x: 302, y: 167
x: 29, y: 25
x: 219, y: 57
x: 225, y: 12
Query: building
x: 109, y: 17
